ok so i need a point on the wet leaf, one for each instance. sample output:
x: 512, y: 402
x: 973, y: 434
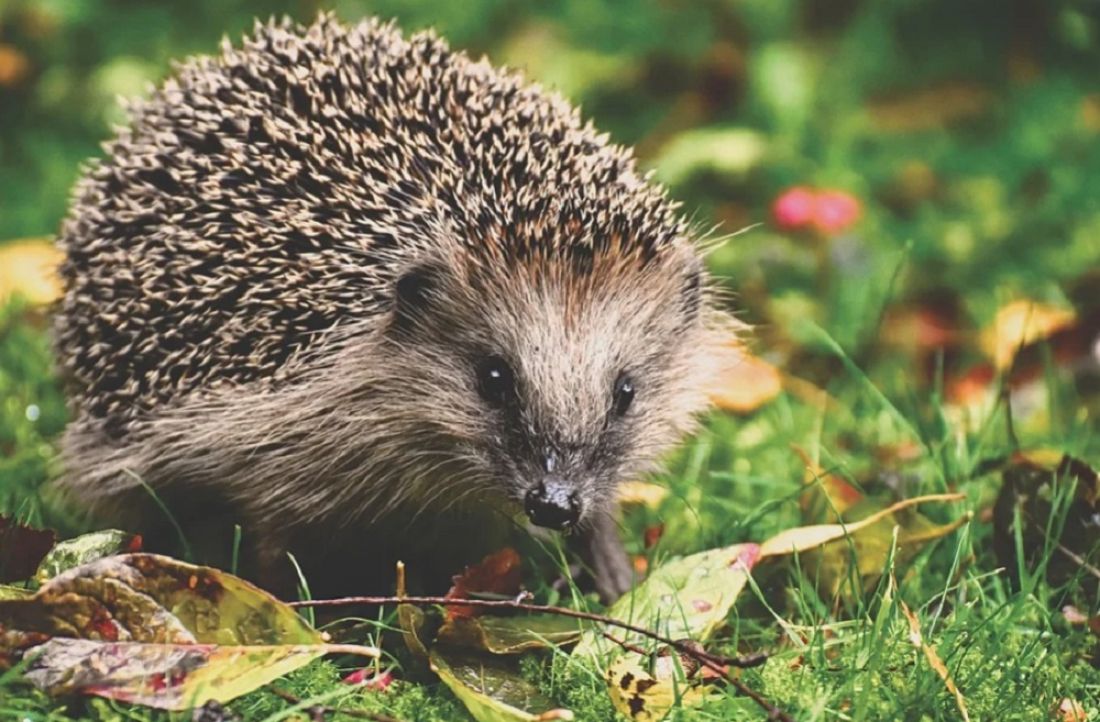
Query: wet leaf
x: 686, y: 598
x: 167, y: 676
x: 493, y: 690
x: 645, y: 696
x: 72, y: 553
x: 21, y: 549
x: 509, y: 635
x: 497, y: 574
x: 28, y: 268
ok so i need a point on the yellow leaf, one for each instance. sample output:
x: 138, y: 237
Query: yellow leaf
x: 810, y: 537
x: 643, y: 697
x: 1019, y: 323
x: 28, y: 268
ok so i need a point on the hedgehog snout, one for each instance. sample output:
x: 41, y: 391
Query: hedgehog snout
x: 553, y: 503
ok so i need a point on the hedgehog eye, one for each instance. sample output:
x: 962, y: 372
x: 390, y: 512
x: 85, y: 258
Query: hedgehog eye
x: 623, y: 394
x: 495, y: 380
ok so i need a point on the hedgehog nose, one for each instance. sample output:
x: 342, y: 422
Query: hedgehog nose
x: 553, y: 504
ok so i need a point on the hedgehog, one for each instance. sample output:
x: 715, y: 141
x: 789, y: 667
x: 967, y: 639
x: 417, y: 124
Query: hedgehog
x: 372, y: 299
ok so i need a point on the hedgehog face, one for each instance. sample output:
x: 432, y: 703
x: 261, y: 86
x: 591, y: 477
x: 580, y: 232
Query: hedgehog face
x: 558, y: 383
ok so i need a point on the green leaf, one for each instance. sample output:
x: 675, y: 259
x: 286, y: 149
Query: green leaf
x: 86, y: 548
x: 688, y: 597
x: 509, y: 635
x: 493, y: 689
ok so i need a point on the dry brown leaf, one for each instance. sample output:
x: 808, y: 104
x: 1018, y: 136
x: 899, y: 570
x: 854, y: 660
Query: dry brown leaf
x: 933, y: 658
x: 28, y: 268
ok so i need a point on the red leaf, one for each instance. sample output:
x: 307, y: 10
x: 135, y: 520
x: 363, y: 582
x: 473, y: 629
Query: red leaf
x: 498, y: 573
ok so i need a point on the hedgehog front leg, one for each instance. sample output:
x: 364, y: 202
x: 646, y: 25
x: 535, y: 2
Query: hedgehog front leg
x: 603, y: 553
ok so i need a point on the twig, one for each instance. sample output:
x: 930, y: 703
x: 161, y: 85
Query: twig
x: 688, y: 647
x: 320, y: 709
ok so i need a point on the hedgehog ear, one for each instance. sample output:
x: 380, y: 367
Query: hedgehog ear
x: 413, y: 295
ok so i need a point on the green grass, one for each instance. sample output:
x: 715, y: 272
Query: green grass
x: 960, y: 216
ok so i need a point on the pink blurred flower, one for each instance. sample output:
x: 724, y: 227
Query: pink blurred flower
x: 829, y: 211
x: 836, y: 211
x: 794, y: 208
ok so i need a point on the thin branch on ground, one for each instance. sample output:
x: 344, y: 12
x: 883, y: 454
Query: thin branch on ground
x: 684, y: 646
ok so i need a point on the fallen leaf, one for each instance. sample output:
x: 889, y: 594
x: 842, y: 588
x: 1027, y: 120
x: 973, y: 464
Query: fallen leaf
x: 933, y: 658
x: 1070, y: 710
x: 128, y: 597
x: 28, y: 267
x: 686, y: 598
x: 167, y: 676
x: 1021, y: 323
x: 72, y: 553
x: 152, y: 630
x: 746, y: 385
x: 646, y: 697
x: 21, y: 549
x: 810, y: 537
x: 498, y: 573
x: 493, y: 690
x: 509, y: 635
